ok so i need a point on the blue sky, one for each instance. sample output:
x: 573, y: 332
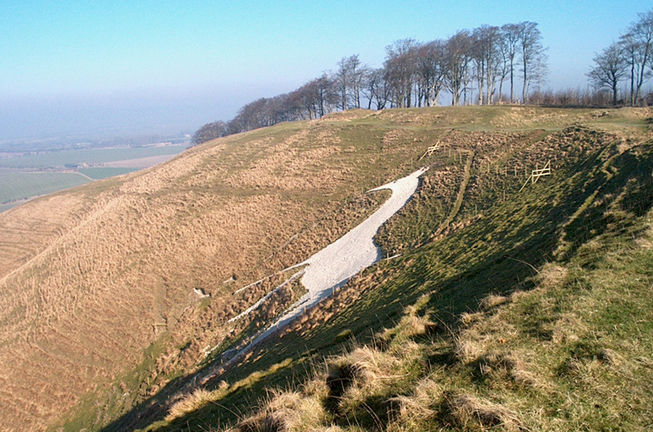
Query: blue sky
x: 77, y: 66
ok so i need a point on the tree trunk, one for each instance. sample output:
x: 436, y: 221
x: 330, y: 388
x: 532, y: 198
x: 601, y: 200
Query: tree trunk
x: 642, y: 70
x: 408, y: 95
x: 525, y: 83
x: 512, y: 81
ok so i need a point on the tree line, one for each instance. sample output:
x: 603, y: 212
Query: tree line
x: 472, y: 66
x: 485, y: 65
x: 628, y: 61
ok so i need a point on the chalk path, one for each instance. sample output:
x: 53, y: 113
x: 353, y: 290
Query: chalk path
x: 355, y: 251
x: 332, y: 266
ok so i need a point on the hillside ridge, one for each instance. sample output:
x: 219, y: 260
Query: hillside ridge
x: 250, y: 205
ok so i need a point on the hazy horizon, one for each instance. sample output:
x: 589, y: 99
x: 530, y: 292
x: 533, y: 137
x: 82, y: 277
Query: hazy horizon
x: 164, y: 112
x: 107, y: 69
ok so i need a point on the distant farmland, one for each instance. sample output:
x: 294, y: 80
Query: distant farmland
x: 65, y: 158
x: 98, y: 173
x: 27, y: 175
x: 16, y: 185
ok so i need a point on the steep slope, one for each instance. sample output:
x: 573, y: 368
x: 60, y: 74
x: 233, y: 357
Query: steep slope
x: 98, y: 308
x: 95, y: 285
x: 465, y: 255
x: 566, y: 348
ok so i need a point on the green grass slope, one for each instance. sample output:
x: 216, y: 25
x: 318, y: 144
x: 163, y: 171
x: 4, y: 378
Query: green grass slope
x: 499, y: 309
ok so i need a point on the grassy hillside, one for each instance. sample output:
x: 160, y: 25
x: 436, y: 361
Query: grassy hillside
x: 82, y: 297
x: 87, y: 276
x: 529, y: 310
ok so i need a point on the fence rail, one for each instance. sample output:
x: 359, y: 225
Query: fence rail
x: 537, y: 173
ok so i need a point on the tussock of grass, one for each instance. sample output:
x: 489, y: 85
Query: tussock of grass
x: 420, y: 406
x: 468, y: 350
x: 201, y: 397
x: 499, y: 367
x: 473, y: 413
x: 287, y: 412
x: 551, y: 274
x: 190, y: 403
x: 415, y: 322
x: 265, y: 422
x: 493, y: 300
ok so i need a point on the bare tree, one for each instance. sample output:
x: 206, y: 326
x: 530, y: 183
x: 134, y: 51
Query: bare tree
x: 320, y: 96
x: 485, y: 53
x: 511, y: 36
x: 609, y: 68
x: 478, y: 58
x: 376, y: 90
x: 637, y: 45
x: 492, y: 59
x: 325, y: 94
x: 356, y: 74
x: 399, y: 69
x: 210, y: 131
x: 342, y: 82
x: 458, y: 50
x: 307, y: 98
x: 349, y: 80
x: 631, y: 51
x: 503, y: 62
x: 431, y: 70
x: 532, y: 55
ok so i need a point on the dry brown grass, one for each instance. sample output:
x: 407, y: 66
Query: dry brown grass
x: 25, y: 231
x: 419, y: 407
x: 551, y: 275
x: 469, y: 318
x: 190, y: 403
x: 507, y: 366
x: 473, y: 413
x: 492, y: 300
x: 287, y: 412
x: 483, y: 332
x: 88, y: 272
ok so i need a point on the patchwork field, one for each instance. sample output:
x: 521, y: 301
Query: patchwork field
x: 104, y: 172
x: 63, y: 158
x: 24, y: 176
